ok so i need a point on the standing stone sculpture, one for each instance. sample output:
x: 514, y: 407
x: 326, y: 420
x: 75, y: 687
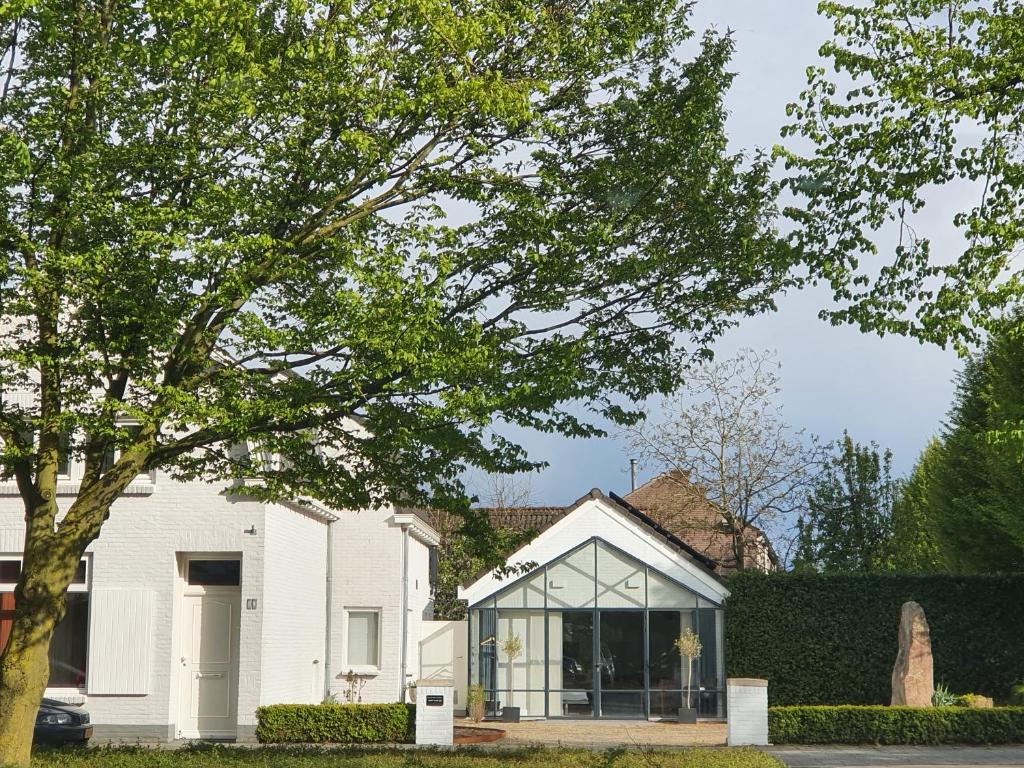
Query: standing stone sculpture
x: 912, y: 681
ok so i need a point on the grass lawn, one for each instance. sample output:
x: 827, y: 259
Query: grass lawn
x: 285, y: 757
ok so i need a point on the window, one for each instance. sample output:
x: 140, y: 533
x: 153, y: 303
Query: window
x: 363, y: 647
x: 215, y: 573
x: 10, y: 572
x: 64, y: 455
x: 69, y: 647
x: 112, y: 454
x: 432, y: 567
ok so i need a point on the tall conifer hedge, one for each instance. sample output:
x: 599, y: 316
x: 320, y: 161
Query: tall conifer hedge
x: 832, y: 639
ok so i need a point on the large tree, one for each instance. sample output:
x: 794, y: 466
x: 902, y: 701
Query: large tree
x: 915, y: 546
x: 724, y: 430
x: 924, y: 95
x: 230, y: 221
x: 975, y: 496
x: 847, y: 524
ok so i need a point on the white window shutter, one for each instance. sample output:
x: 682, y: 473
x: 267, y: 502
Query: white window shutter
x: 120, y: 625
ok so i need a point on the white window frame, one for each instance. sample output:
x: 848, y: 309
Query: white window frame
x: 363, y: 669
x: 65, y: 477
x: 204, y: 589
x: 147, y: 477
x: 8, y: 586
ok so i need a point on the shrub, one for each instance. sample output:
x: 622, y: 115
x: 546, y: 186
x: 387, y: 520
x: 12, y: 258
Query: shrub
x: 943, y: 697
x: 1017, y: 694
x: 895, y: 725
x: 975, y: 700
x: 832, y: 638
x: 335, y: 723
x: 475, y: 703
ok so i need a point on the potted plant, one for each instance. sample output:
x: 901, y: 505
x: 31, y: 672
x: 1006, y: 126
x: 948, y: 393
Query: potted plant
x: 410, y: 689
x: 689, y: 647
x: 512, y: 647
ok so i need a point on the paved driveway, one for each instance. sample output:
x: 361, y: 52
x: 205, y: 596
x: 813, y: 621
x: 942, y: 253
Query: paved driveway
x: 908, y: 757
x: 602, y: 734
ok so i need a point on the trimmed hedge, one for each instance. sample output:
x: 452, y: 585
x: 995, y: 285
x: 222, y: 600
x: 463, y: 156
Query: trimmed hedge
x: 895, y: 725
x: 336, y: 723
x: 832, y: 639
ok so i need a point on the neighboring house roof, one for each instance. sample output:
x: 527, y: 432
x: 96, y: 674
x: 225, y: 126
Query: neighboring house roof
x: 682, y: 507
x: 669, y: 504
x: 546, y: 517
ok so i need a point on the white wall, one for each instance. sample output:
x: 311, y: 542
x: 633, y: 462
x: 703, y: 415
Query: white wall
x: 366, y: 574
x: 420, y: 605
x: 294, y: 607
x: 137, y: 550
x: 442, y: 650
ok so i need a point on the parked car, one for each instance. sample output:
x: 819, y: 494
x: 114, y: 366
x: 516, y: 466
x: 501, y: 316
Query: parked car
x: 60, y: 723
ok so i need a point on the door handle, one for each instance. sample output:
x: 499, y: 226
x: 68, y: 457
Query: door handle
x: 209, y: 674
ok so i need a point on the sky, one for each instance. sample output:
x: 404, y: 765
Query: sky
x: 890, y: 390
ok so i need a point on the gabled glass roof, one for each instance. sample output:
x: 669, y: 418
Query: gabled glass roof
x: 595, y: 574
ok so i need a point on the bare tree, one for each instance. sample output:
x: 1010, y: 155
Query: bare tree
x: 473, y: 542
x: 724, y: 431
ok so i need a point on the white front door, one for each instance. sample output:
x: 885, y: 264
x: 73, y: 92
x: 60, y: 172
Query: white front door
x: 208, y: 703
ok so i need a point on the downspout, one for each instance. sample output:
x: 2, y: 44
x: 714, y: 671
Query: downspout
x: 327, y: 607
x: 405, y: 611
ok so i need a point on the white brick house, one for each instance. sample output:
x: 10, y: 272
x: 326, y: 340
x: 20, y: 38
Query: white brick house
x: 197, y: 604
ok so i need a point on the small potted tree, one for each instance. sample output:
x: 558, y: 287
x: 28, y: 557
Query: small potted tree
x: 512, y: 647
x: 689, y: 647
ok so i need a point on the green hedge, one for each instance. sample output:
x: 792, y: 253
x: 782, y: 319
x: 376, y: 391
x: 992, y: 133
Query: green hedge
x: 336, y: 723
x: 895, y: 725
x: 832, y: 639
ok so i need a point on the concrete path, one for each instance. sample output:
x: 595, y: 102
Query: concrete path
x: 602, y: 734
x: 906, y: 757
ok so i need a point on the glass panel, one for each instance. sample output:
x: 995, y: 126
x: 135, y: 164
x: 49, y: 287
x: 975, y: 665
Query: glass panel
x: 527, y: 593
x: 577, y: 650
x: 571, y: 704
x: 79, y: 577
x: 69, y: 646
x: 474, y: 647
x: 622, y: 651
x: 10, y: 571
x: 525, y: 671
x: 664, y: 593
x: 710, y: 664
x: 622, y: 704
x: 64, y: 454
x: 620, y: 580
x: 666, y: 671
x: 571, y: 580
x: 363, y: 633
x: 710, y: 704
x: 488, y: 648
x: 215, y: 573
x: 665, y: 703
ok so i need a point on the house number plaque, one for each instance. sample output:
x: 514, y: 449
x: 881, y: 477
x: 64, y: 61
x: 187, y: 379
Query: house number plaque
x: 435, y: 700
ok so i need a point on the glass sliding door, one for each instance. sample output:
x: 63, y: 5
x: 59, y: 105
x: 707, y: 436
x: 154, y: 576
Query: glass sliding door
x: 573, y: 672
x: 622, y: 664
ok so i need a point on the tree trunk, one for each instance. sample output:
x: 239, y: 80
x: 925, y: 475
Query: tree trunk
x: 48, y: 567
x: 24, y: 670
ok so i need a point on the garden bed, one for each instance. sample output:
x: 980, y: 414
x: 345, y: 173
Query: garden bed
x: 467, y: 734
